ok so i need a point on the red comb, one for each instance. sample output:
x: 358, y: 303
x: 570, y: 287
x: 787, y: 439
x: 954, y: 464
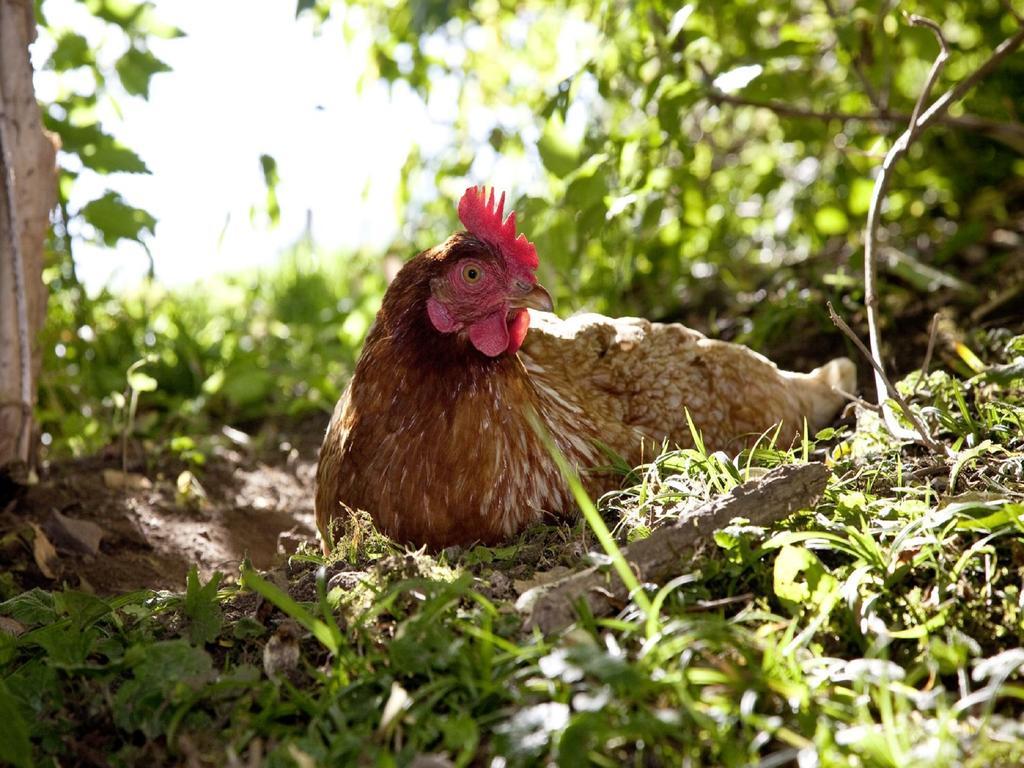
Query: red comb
x: 479, y: 215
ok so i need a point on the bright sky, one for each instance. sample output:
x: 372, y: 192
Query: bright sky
x: 248, y: 79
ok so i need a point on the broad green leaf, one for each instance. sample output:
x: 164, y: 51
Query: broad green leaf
x: 32, y: 607
x: 115, y: 220
x: 72, y: 51
x: 163, y: 674
x: 15, y: 747
x: 800, y: 578
x: 97, y: 150
x: 136, y: 68
x: 202, y: 607
x: 559, y: 155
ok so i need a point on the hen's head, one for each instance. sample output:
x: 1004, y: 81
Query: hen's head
x: 483, y: 279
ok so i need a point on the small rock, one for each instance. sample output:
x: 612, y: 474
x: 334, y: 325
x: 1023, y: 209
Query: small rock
x: 346, y: 580
x: 540, y: 578
x: 117, y: 480
x: 500, y: 586
x: 281, y: 653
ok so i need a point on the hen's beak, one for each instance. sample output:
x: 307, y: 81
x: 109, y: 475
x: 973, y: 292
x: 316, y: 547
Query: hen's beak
x: 536, y: 297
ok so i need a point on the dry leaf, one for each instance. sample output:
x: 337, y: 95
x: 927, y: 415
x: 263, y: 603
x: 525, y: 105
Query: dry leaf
x: 72, y: 533
x: 11, y: 626
x: 44, y: 553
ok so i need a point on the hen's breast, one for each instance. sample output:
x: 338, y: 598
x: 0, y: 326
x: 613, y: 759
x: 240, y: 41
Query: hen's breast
x: 444, y: 457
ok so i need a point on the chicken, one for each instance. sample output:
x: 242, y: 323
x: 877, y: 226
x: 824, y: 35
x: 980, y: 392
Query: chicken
x: 433, y: 436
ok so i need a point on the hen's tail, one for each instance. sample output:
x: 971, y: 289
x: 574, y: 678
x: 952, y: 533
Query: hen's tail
x: 819, y: 390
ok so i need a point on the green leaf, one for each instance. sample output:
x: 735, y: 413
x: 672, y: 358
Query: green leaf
x: 15, y: 747
x: 97, y: 150
x: 72, y: 51
x: 116, y: 220
x: 246, y: 384
x: 1004, y: 374
x: 800, y: 577
x: 123, y: 13
x: 66, y: 646
x: 163, y: 674
x: 82, y: 608
x: 203, y: 608
x: 142, y: 382
x: 136, y: 68
x: 830, y: 220
x: 32, y: 607
x: 558, y: 154
x: 1008, y: 513
x: 271, y: 178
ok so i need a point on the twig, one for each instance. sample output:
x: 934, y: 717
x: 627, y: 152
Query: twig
x: 921, y: 119
x: 933, y: 74
x: 855, y: 60
x: 922, y: 435
x: 928, y: 352
x: 784, y: 109
x: 657, y: 558
x: 20, y: 300
x: 855, y: 400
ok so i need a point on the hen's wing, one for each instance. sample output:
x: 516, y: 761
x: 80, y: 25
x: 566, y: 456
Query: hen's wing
x: 636, y: 379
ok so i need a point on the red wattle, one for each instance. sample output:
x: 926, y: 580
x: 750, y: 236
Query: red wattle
x: 517, y: 329
x: 490, y: 335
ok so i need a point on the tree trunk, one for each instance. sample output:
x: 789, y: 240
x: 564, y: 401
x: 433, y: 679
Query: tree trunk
x: 27, y: 168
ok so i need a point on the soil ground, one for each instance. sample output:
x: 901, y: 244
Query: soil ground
x: 260, y: 504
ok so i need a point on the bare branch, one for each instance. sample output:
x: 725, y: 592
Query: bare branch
x: 922, y: 435
x: 855, y: 400
x: 938, y: 109
x: 921, y: 119
x: 933, y: 74
x: 20, y: 298
x: 997, y: 128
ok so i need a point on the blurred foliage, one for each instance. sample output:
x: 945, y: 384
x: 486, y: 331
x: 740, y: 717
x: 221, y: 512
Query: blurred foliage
x: 231, y: 351
x: 656, y: 161
x: 89, y: 78
x: 648, y: 194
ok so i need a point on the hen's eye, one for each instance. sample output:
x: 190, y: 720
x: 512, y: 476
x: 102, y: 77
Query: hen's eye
x: 471, y: 273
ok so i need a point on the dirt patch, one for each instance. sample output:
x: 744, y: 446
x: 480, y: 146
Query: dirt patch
x: 114, y: 533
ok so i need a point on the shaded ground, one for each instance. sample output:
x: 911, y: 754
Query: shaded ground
x: 257, y: 502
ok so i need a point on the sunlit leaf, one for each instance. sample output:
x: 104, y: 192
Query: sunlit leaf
x: 136, y: 68
x: 114, y: 219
